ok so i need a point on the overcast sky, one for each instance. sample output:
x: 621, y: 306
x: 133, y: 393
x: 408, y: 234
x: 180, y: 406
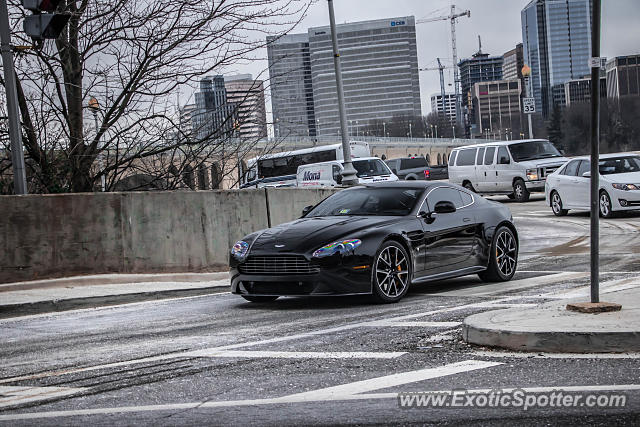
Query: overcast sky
x: 496, y: 21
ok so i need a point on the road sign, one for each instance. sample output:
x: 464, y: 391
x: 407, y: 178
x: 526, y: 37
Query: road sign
x: 528, y: 105
x: 597, y: 62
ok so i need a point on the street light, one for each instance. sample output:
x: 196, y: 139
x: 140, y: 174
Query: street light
x: 94, y: 106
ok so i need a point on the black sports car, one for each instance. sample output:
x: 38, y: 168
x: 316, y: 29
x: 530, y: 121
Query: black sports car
x: 378, y: 239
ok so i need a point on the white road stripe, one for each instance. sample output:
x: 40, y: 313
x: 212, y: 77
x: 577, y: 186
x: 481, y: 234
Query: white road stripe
x: 418, y: 324
x: 347, y: 391
x: 605, y: 287
x: 298, y: 354
x: 17, y: 395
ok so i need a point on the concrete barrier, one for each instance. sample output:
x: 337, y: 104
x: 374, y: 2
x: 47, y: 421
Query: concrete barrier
x: 44, y: 236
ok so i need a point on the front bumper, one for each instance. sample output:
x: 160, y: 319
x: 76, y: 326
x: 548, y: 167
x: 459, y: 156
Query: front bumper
x: 535, y: 186
x: 334, y: 278
x: 619, y: 197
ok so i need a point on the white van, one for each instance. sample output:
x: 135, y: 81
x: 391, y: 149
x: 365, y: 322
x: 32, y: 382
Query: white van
x: 515, y: 168
x: 329, y: 174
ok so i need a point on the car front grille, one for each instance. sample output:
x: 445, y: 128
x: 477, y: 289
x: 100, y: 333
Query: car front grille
x: 277, y: 265
x: 546, y: 171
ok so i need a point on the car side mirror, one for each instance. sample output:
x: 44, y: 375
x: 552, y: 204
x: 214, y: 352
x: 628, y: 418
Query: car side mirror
x: 444, y: 207
x: 428, y: 218
x: 306, y: 210
x: 587, y: 174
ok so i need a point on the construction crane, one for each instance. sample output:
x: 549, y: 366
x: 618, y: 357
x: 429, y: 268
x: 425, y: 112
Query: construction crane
x: 452, y: 17
x: 440, y: 68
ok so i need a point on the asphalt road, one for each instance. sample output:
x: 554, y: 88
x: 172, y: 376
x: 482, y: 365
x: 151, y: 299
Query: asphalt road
x: 217, y: 359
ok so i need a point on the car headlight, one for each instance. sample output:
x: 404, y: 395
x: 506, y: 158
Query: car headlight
x: 340, y: 246
x: 626, y: 187
x: 532, y: 174
x: 240, y: 249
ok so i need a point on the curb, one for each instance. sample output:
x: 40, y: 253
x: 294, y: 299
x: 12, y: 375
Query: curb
x: 54, y: 306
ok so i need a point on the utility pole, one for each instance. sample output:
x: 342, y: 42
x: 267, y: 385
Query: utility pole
x: 595, y: 153
x: 349, y: 176
x: 15, y: 131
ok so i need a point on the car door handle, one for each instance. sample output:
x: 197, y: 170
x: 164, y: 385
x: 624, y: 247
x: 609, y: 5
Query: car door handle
x: 485, y: 173
x: 466, y: 219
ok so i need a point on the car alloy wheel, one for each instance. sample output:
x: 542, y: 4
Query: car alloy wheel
x: 503, y: 257
x: 520, y: 191
x: 392, y: 272
x: 556, y: 204
x: 605, y: 205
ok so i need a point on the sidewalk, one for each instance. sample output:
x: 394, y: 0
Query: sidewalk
x: 25, y: 298
x: 549, y: 327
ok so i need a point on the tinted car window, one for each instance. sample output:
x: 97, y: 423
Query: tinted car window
x: 533, y: 150
x: 444, y: 193
x: 480, y: 156
x: 585, y: 166
x: 466, y: 198
x: 488, y: 156
x: 572, y: 168
x: 417, y: 162
x: 503, y: 156
x: 466, y: 157
x: 368, y: 202
x: 619, y: 165
x: 367, y: 168
x: 452, y: 159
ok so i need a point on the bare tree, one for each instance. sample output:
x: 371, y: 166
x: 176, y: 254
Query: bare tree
x: 132, y: 56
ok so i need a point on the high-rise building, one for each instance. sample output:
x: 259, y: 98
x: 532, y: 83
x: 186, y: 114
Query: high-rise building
x: 213, y: 116
x: 579, y: 90
x: 379, y: 71
x: 556, y: 37
x: 479, y: 68
x: 290, y: 84
x: 448, y: 106
x: 512, y: 63
x: 497, y: 107
x: 623, y: 76
x: 248, y: 96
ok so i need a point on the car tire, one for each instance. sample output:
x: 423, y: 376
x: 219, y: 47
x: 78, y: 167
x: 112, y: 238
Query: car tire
x: 511, y: 196
x: 604, y: 205
x: 520, y: 191
x: 253, y: 298
x: 556, y: 204
x: 503, y: 257
x: 469, y: 186
x: 390, y: 278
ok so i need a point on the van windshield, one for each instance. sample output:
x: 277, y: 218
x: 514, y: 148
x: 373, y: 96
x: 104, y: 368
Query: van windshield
x: 371, y: 167
x: 533, y: 150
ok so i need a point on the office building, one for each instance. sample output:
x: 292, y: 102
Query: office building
x: 479, y: 68
x: 213, y: 117
x: 579, y: 90
x: 497, y: 107
x: 623, y: 76
x: 448, y: 107
x: 512, y: 63
x: 290, y: 85
x: 379, y: 71
x: 556, y: 38
x: 248, y: 96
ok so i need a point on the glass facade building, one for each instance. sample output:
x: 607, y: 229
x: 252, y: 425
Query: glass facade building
x: 213, y: 117
x: 556, y: 36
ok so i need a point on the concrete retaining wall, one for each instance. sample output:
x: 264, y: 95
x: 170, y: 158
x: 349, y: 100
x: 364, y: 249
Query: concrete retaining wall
x: 43, y: 236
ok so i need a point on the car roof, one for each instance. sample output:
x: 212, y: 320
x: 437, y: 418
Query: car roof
x: 608, y: 156
x: 402, y: 184
x: 408, y: 157
x: 498, y: 143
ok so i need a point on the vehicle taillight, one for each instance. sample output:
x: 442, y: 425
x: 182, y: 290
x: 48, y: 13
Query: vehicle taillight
x: 427, y: 173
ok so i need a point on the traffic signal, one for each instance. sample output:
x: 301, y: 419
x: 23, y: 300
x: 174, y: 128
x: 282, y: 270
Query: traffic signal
x: 44, y: 23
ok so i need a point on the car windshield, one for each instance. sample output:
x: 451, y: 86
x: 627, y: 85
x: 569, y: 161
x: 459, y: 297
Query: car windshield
x: 533, y: 150
x: 369, y: 202
x: 368, y: 168
x: 617, y: 165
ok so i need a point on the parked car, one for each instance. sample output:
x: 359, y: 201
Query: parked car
x: 409, y: 168
x: 515, y: 168
x: 378, y: 239
x: 329, y: 174
x: 569, y: 187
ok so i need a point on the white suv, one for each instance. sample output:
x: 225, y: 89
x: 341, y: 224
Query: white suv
x: 514, y: 168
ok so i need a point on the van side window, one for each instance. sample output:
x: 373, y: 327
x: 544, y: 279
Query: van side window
x: 488, y: 156
x: 503, y: 156
x: 452, y: 158
x: 466, y: 157
x: 480, y: 156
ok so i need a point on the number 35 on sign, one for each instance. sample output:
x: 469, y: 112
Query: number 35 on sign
x: 528, y: 105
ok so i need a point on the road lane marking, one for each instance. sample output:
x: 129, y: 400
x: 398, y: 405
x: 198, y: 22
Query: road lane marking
x: 416, y: 324
x: 605, y: 287
x: 349, y: 391
x: 252, y: 354
x: 497, y: 288
x: 17, y: 395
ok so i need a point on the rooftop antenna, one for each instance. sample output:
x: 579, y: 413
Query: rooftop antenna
x: 479, y: 44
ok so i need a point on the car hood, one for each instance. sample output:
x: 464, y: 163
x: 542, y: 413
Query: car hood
x: 623, y: 178
x: 308, y: 234
x: 541, y: 163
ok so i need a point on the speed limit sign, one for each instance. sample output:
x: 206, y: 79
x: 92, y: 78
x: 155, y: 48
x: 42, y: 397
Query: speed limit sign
x: 528, y: 105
